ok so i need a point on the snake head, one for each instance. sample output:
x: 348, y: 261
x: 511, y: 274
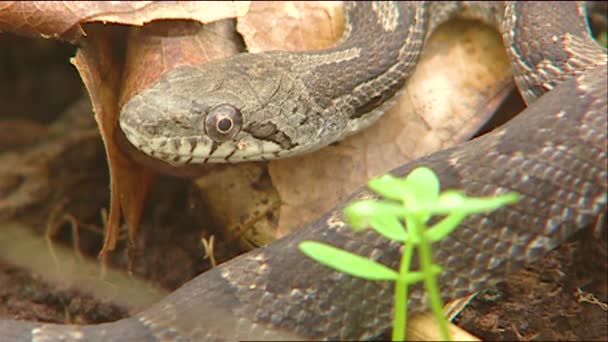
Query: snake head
x: 216, y: 112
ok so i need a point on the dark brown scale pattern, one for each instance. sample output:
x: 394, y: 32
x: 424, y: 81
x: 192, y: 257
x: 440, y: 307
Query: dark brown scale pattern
x: 554, y: 154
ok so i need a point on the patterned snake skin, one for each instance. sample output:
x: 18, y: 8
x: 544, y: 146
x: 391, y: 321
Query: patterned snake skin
x: 554, y: 154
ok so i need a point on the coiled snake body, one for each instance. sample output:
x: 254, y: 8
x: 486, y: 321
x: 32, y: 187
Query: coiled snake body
x: 554, y: 154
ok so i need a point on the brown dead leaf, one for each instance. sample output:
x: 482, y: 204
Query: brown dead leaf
x: 241, y: 200
x: 129, y: 183
x: 424, y: 327
x: 161, y: 46
x: 294, y: 25
x: 141, y: 12
x: 64, y: 19
x: 462, y: 77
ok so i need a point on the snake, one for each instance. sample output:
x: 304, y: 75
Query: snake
x: 259, y: 106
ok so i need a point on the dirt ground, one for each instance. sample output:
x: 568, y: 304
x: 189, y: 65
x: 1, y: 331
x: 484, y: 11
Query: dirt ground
x: 61, y: 176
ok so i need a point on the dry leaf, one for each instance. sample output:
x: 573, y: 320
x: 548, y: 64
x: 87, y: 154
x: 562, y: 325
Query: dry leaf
x: 64, y: 19
x: 424, y: 327
x: 129, y: 183
x: 243, y: 203
x: 162, y: 46
x: 294, y: 25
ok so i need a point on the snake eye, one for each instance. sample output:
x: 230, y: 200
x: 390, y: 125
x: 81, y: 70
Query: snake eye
x: 223, y: 122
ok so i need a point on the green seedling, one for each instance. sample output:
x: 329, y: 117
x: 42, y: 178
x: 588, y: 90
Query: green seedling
x: 412, y: 200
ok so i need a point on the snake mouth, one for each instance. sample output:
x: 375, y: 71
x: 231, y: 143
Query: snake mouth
x: 179, y: 151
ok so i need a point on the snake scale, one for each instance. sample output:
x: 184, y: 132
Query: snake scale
x: 553, y: 154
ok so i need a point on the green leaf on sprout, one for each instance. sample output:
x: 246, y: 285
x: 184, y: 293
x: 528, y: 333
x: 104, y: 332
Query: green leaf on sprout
x: 454, y: 201
x: 389, y: 227
x: 444, y: 227
x: 347, y: 262
x: 359, y: 214
x: 388, y: 186
x: 422, y: 190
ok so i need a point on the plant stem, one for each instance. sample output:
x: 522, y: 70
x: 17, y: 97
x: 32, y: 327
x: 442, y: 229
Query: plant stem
x: 430, y: 282
x: 401, y: 294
